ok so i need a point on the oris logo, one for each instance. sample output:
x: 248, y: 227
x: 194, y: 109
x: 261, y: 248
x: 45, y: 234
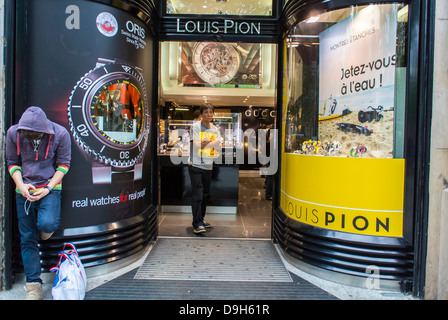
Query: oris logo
x: 135, y: 29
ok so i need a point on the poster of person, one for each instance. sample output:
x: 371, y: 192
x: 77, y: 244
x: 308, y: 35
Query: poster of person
x: 357, y: 84
x: 218, y: 64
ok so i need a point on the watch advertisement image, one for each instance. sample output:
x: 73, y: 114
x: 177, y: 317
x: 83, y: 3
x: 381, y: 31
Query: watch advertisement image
x: 357, y: 85
x: 217, y: 64
x: 89, y: 67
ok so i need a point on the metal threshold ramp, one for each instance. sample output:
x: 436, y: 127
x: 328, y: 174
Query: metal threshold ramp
x: 211, y: 259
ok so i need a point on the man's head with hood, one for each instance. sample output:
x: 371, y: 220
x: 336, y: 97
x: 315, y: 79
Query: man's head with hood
x: 34, y: 123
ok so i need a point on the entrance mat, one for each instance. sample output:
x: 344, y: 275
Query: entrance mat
x: 213, y: 260
x: 126, y: 287
x: 210, y: 269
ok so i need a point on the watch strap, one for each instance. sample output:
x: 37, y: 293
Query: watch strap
x: 102, y: 174
x: 49, y: 188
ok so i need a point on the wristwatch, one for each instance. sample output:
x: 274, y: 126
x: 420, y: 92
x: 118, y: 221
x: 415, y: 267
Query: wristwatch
x: 215, y: 63
x: 108, y: 115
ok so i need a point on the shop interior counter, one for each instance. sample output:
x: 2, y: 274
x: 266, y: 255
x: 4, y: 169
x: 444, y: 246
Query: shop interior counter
x: 173, y: 153
x: 175, y: 187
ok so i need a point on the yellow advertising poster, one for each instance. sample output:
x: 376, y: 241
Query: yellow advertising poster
x: 355, y: 195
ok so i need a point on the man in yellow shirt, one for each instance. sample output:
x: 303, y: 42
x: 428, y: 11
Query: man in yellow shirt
x: 205, y: 147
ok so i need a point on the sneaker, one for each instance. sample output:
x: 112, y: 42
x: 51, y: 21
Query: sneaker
x: 199, y: 229
x: 206, y: 224
x: 34, y: 291
x: 45, y: 236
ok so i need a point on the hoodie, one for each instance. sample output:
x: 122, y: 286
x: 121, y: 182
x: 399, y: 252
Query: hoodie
x: 53, y: 153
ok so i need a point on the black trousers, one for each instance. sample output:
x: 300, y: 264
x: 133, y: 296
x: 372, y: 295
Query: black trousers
x: 200, y: 188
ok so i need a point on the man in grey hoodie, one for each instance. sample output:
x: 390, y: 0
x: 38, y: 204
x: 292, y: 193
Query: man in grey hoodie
x: 38, y: 153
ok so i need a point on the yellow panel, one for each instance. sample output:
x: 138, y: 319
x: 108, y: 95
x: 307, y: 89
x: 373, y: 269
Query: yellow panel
x: 357, y: 195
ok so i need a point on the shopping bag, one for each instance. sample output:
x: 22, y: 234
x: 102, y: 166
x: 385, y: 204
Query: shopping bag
x: 71, y: 281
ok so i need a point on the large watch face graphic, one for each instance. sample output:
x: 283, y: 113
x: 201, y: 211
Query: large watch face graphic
x: 215, y: 63
x: 108, y: 114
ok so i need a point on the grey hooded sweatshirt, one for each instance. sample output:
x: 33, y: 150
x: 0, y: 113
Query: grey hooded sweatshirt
x: 53, y: 153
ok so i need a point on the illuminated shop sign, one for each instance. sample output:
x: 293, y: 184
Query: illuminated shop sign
x: 226, y: 26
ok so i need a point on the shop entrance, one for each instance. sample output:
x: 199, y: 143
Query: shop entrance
x: 252, y: 218
x: 239, y: 80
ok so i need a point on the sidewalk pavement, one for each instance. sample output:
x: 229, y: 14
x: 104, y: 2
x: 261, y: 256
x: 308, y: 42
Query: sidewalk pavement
x: 99, y: 275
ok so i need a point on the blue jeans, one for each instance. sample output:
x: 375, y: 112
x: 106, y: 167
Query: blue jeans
x: 42, y: 215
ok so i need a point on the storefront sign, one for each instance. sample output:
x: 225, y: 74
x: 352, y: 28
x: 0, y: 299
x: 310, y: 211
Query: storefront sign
x: 226, y: 26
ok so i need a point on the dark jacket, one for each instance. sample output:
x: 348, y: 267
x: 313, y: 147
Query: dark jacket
x: 54, y: 151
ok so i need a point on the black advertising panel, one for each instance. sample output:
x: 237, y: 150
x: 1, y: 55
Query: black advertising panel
x: 89, y: 66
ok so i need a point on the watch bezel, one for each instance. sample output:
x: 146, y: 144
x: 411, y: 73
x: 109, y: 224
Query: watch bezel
x: 84, y: 131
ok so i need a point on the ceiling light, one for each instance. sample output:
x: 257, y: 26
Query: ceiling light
x: 312, y: 19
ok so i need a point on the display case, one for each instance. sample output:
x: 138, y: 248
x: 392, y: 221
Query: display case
x: 174, y: 135
x: 229, y: 125
x: 175, y: 187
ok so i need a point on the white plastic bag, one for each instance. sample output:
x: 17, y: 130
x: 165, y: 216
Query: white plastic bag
x: 71, y: 281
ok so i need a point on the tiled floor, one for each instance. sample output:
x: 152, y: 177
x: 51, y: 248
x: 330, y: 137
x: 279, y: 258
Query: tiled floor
x: 252, y: 220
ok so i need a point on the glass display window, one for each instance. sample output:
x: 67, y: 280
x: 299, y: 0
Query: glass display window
x: 174, y: 135
x: 229, y: 125
x: 346, y: 81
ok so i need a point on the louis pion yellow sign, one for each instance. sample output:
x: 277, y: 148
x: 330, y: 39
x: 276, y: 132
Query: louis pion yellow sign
x: 356, y: 195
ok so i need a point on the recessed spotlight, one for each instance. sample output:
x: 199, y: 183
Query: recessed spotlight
x: 313, y: 19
